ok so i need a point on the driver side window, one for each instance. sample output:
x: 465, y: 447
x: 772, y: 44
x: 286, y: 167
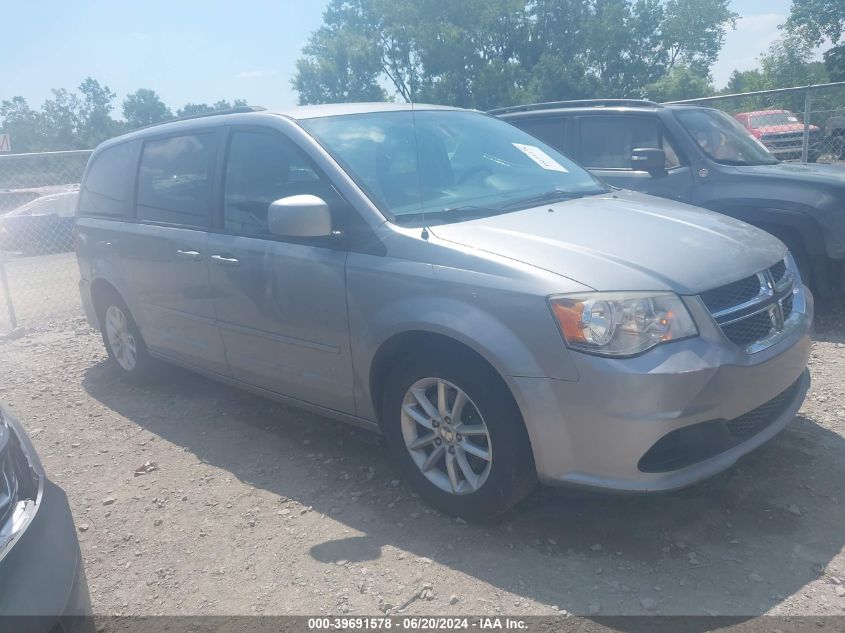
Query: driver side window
x: 607, y: 141
x: 261, y: 168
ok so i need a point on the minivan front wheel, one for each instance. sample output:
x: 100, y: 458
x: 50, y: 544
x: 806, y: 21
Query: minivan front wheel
x: 125, y: 347
x: 458, y: 437
x: 446, y: 436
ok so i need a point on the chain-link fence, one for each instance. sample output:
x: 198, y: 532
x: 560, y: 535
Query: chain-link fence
x: 38, y: 192
x: 38, y: 271
x: 804, y: 124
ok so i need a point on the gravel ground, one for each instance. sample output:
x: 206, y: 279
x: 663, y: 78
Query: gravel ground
x: 246, y: 506
x: 41, y: 288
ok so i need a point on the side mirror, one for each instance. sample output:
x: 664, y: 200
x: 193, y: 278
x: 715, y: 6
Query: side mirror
x: 652, y: 160
x: 300, y: 216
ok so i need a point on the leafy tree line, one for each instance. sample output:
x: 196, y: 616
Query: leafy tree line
x: 490, y: 53
x: 483, y: 54
x: 82, y: 120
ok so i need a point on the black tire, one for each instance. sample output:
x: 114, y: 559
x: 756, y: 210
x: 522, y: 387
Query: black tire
x: 512, y: 475
x: 802, y: 262
x: 799, y: 254
x: 143, y: 366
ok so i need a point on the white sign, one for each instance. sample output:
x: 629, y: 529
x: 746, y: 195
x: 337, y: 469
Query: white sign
x: 5, y: 143
x: 540, y: 157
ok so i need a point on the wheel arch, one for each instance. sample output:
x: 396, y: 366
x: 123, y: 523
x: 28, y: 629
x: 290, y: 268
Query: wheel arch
x: 403, y: 344
x: 100, y: 289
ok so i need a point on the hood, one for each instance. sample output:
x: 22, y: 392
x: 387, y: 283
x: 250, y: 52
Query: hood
x: 790, y: 128
x: 815, y: 173
x: 624, y: 241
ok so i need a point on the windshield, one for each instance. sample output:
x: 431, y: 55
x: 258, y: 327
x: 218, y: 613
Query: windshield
x: 432, y: 166
x: 776, y: 118
x: 723, y: 139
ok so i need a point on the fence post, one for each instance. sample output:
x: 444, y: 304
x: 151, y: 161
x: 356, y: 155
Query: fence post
x: 4, y: 281
x: 805, y: 148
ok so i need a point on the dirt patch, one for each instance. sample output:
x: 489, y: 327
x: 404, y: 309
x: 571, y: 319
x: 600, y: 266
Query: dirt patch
x: 194, y: 498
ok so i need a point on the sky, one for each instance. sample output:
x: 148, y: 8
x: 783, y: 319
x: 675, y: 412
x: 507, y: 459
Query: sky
x: 204, y: 51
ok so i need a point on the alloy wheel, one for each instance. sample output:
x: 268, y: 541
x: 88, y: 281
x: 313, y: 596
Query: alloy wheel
x: 446, y: 436
x: 120, y: 338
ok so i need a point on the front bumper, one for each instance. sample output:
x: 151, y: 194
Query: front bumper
x: 42, y: 582
x: 595, y: 431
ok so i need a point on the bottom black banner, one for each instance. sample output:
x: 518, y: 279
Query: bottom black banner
x: 528, y: 624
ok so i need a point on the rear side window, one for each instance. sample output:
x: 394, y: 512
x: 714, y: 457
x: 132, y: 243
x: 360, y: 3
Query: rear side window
x: 551, y: 131
x: 607, y: 141
x: 175, y: 179
x: 104, y: 191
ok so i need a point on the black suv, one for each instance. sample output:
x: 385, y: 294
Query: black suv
x: 704, y: 157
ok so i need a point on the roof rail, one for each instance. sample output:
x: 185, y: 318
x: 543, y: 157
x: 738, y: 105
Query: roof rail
x: 202, y: 115
x: 577, y: 103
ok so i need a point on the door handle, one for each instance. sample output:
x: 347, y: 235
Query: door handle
x: 190, y: 255
x: 225, y: 261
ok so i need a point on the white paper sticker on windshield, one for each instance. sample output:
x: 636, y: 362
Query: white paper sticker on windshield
x: 793, y: 119
x: 540, y: 157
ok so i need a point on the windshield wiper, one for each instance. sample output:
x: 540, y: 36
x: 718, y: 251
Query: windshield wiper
x: 554, y: 195
x: 450, y: 214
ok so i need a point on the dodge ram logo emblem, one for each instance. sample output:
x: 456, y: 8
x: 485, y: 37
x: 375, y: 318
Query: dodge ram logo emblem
x: 776, y: 316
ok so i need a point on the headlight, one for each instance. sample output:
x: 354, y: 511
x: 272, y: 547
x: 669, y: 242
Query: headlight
x: 621, y: 323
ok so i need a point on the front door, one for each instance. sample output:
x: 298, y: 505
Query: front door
x: 280, y: 305
x: 164, y: 249
x: 604, y: 145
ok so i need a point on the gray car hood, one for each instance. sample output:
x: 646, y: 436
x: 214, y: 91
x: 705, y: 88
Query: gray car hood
x: 624, y: 241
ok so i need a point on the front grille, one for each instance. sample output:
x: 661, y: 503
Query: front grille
x: 778, y: 271
x: 733, y: 294
x: 787, y: 307
x: 750, y: 330
x: 756, y: 420
x: 754, y: 308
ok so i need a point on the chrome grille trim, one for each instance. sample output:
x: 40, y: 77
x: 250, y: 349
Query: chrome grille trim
x: 779, y: 296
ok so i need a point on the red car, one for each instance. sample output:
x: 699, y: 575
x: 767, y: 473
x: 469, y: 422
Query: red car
x: 781, y: 131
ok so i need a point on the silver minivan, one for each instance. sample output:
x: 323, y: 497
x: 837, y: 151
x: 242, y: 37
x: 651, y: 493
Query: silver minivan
x: 442, y: 277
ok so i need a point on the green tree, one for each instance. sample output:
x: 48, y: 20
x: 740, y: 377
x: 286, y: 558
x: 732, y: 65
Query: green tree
x: 834, y: 62
x: 96, y: 124
x: 144, y: 107
x: 817, y: 21
x: 747, y: 81
x: 26, y: 127
x: 342, y: 60
x: 486, y: 53
x: 788, y: 63
x: 63, y: 119
x: 693, y: 32
x: 225, y: 105
x: 624, y: 51
x: 682, y: 82
x: 190, y: 109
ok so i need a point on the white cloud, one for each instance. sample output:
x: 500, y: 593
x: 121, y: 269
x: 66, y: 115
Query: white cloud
x: 255, y: 74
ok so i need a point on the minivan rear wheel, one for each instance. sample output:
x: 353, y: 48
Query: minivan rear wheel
x: 457, y: 437
x: 122, y: 338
